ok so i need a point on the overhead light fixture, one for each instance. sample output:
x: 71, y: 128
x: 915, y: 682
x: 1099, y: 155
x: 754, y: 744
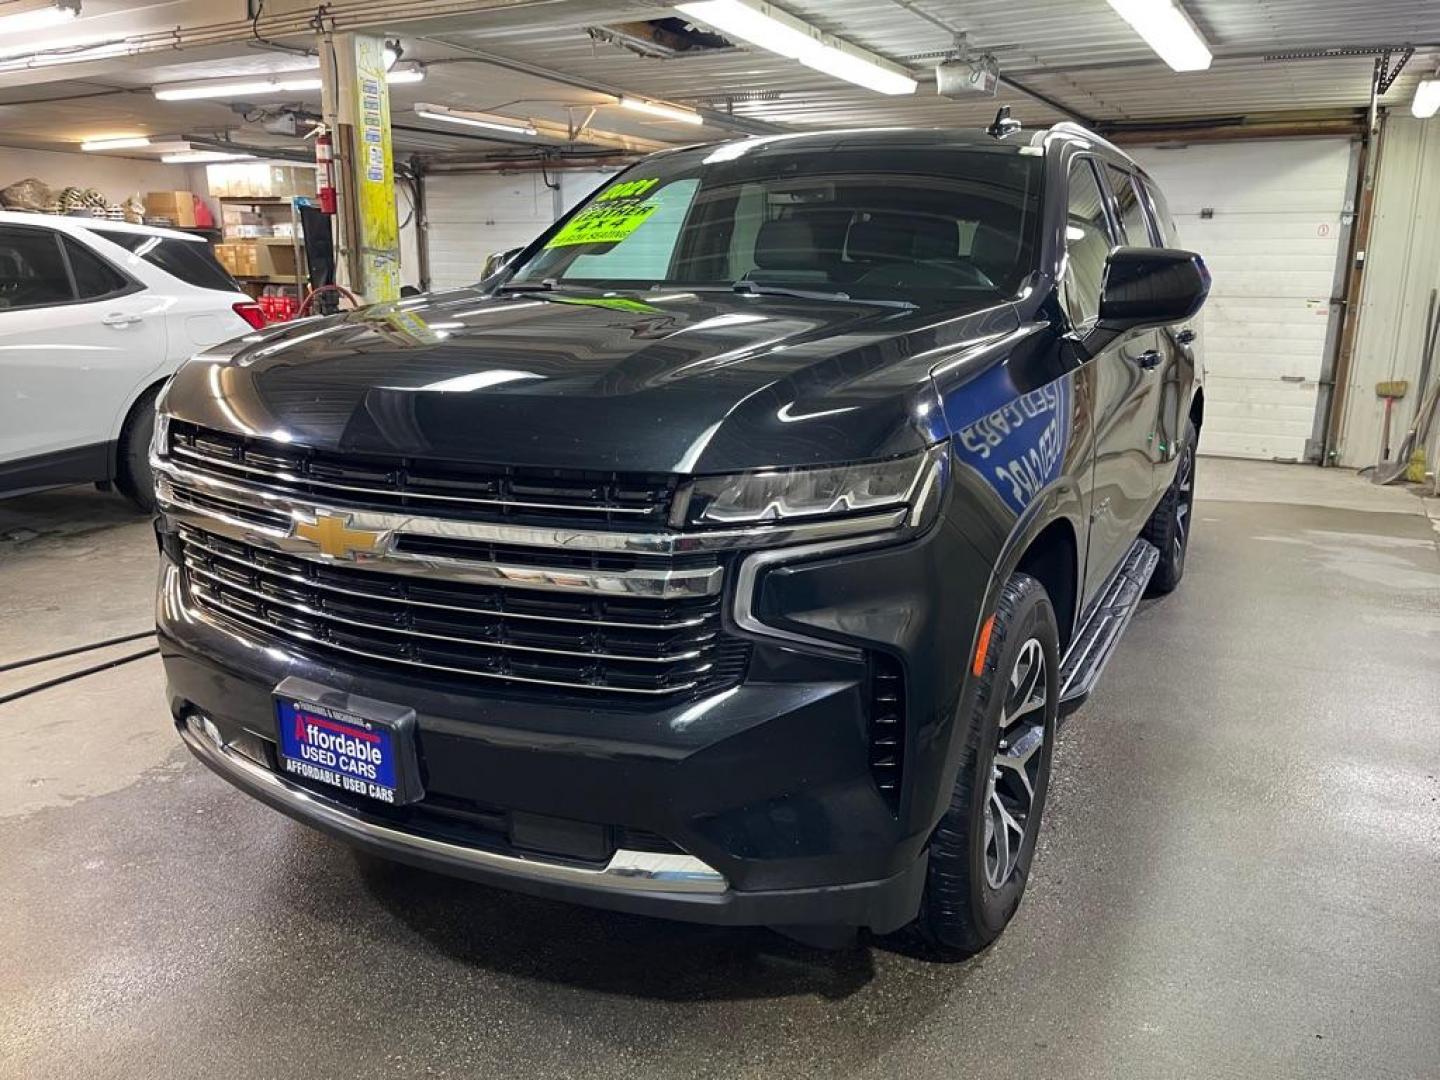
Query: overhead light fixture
x: 280, y: 83
x: 1168, y: 30
x: 655, y: 108
x: 473, y: 119
x: 129, y: 142
x: 1427, y: 98
x: 24, y: 18
x: 220, y: 88
x: 770, y: 28
x: 202, y: 157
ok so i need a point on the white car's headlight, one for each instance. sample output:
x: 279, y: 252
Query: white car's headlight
x: 779, y: 495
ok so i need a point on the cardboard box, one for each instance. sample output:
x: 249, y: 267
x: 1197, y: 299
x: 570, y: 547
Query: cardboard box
x: 178, y: 206
x: 275, y: 260
x: 260, y: 180
x: 239, y: 259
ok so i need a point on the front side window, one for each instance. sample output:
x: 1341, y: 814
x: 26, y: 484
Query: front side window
x: 908, y: 223
x: 1127, y: 202
x: 1087, y: 245
x: 32, y: 270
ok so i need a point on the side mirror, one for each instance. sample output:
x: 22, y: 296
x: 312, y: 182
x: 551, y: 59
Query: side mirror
x: 1151, y: 287
x: 497, y: 260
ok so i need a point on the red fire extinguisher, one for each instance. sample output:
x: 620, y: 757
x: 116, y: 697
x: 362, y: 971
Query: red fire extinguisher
x: 325, y: 164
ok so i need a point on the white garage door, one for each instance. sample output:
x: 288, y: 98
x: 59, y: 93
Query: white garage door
x: 1267, y: 218
x: 471, y: 215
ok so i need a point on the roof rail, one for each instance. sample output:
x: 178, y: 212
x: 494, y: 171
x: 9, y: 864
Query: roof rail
x: 1069, y: 127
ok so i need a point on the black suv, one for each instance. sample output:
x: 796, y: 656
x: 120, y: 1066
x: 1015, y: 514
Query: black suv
x: 729, y: 555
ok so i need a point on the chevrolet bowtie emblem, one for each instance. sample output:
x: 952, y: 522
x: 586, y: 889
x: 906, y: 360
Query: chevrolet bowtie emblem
x: 333, y: 536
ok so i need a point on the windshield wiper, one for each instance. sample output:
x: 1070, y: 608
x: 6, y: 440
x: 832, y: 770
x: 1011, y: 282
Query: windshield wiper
x: 755, y: 288
x: 527, y: 286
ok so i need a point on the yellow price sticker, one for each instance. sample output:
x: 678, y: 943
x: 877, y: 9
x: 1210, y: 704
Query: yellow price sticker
x: 613, y: 215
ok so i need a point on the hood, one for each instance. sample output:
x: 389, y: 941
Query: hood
x: 669, y: 382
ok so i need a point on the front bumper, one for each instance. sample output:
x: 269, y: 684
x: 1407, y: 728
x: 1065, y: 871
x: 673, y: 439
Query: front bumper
x: 764, y: 788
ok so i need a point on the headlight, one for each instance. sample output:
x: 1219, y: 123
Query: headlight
x: 790, y: 494
x: 160, y: 436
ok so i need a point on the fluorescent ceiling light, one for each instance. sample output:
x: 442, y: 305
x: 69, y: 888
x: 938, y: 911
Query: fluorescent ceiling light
x: 281, y: 83
x: 1427, y: 98
x: 655, y: 108
x: 768, y: 27
x: 37, y: 18
x: 473, y: 119
x: 201, y: 157
x: 127, y: 143
x: 1167, y: 30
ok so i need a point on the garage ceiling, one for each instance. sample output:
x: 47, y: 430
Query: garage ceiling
x: 1073, y: 56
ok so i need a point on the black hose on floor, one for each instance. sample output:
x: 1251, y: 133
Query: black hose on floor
x: 75, y: 649
x: 79, y: 674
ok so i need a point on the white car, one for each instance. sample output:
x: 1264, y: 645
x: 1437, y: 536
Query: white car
x: 94, y: 317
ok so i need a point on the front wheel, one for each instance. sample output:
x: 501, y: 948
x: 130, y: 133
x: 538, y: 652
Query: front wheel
x: 135, y: 480
x: 981, y: 851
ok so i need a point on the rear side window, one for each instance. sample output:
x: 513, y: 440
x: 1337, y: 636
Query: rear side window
x: 1161, y: 212
x: 1087, y: 245
x: 1127, y: 202
x: 191, y: 261
x: 32, y: 271
x: 94, y: 277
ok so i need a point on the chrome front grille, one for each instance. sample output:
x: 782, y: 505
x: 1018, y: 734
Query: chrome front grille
x: 596, y: 644
x: 455, y: 489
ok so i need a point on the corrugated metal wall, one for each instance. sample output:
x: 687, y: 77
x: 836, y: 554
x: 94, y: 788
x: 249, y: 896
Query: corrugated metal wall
x: 1267, y: 217
x: 1402, y: 266
x: 470, y: 215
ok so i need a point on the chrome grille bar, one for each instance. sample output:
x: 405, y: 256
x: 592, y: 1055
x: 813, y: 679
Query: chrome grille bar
x: 195, y: 541
x: 658, y: 583
x: 403, y: 632
x: 250, y: 622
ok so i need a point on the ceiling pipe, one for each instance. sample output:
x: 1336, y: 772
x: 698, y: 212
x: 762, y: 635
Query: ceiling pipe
x: 524, y: 67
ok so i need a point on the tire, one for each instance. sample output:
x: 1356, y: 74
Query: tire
x: 1169, y: 526
x: 133, y: 476
x: 969, y: 897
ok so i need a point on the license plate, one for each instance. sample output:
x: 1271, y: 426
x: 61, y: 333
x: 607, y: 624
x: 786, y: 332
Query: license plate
x: 342, y: 744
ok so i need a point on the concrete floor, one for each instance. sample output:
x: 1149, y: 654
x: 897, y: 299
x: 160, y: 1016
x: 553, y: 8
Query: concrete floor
x: 1238, y: 873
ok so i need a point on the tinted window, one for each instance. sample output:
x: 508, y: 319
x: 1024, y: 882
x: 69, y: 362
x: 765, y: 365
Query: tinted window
x: 191, y: 261
x: 1127, y: 201
x: 32, y: 273
x: 94, y: 277
x: 1087, y: 244
x: 908, y: 223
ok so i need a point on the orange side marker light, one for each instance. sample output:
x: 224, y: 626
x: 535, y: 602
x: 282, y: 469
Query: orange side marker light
x: 982, y: 647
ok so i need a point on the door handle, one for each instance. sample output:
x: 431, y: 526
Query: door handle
x: 1149, y: 359
x: 119, y: 318
x: 1185, y: 336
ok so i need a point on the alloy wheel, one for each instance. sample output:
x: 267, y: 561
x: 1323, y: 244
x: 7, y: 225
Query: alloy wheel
x: 1185, y: 482
x: 1010, y: 797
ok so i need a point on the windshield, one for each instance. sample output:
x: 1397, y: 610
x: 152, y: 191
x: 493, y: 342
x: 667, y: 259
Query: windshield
x: 903, y: 223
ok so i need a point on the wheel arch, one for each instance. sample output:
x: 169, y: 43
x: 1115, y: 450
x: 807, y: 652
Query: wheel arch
x: 1053, y: 559
x: 129, y: 415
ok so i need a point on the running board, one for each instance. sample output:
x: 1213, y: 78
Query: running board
x: 1105, y: 622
